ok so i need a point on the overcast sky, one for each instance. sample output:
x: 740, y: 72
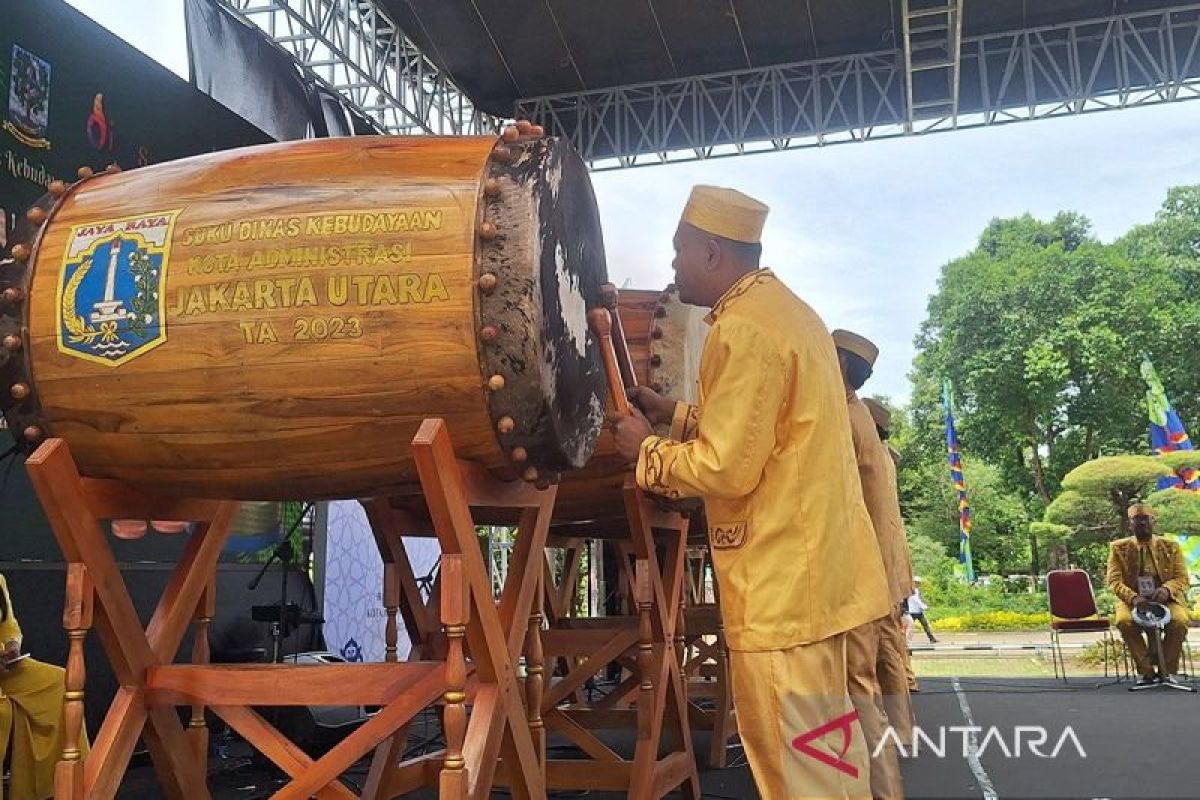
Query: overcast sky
x: 859, y: 230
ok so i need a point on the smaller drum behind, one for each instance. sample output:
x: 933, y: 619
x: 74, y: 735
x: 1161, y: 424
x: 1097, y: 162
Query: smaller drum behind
x: 665, y: 339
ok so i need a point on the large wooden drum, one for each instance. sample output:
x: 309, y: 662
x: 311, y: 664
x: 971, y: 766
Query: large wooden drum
x: 665, y: 338
x: 276, y: 321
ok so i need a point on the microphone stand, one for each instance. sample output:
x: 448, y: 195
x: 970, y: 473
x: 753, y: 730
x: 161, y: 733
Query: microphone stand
x: 279, y: 627
x: 286, y: 553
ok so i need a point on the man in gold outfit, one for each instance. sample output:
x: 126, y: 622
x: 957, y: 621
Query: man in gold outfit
x: 1145, y: 568
x: 768, y: 449
x: 894, y: 666
x: 31, y: 712
x: 865, y: 647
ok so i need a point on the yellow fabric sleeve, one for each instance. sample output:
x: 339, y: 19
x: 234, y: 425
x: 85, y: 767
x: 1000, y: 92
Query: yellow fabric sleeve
x: 1115, y: 580
x: 10, y: 629
x: 1175, y: 578
x: 744, y: 386
x: 684, y: 422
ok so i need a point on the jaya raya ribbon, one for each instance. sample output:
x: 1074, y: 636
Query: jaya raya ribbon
x: 960, y: 484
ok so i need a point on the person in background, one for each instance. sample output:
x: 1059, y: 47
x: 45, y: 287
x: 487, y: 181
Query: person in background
x: 894, y: 665
x: 769, y: 451
x: 916, y: 609
x: 906, y: 625
x: 1145, y: 568
x: 869, y: 648
x: 31, y: 711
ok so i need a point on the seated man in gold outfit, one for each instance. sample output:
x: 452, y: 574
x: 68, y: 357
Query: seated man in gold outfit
x: 1145, y: 568
x: 31, y: 711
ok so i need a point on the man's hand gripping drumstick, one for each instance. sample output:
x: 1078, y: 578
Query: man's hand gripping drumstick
x: 630, y: 427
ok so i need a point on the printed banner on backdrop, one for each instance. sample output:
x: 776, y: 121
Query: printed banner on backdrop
x: 354, y: 613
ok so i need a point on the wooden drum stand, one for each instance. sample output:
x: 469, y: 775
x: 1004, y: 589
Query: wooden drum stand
x: 706, y: 658
x: 150, y: 685
x: 647, y: 644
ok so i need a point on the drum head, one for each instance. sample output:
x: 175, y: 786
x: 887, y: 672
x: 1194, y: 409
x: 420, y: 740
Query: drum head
x: 549, y: 262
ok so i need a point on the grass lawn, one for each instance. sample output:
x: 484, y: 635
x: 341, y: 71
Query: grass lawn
x: 1008, y: 666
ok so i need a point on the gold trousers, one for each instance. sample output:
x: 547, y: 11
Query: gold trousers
x: 862, y: 657
x: 797, y: 724
x: 1135, y: 639
x: 893, y: 669
x: 31, y: 713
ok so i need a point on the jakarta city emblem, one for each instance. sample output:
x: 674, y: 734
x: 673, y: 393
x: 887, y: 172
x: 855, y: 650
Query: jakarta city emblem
x: 111, y: 288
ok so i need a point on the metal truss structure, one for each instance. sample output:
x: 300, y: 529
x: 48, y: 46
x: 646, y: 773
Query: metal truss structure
x: 932, y: 35
x: 352, y: 48
x: 1113, y: 62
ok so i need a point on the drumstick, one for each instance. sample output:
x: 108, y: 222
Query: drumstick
x: 622, y: 347
x: 600, y: 322
x: 609, y: 297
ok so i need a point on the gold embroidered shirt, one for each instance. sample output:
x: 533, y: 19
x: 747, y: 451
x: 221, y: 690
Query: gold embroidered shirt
x: 1166, y: 562
x: 769, y: 450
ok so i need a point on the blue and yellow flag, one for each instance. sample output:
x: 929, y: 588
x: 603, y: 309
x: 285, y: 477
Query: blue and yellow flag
x: 960, y: 484
x: 1166, y: 430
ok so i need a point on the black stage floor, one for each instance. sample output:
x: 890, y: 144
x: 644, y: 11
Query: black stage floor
x: 1101, y: 742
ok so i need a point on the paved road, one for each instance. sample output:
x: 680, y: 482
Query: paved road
x: 1124, y: 745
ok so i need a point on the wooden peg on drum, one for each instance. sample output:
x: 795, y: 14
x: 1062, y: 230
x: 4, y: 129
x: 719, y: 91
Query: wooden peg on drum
x: 600, y: 321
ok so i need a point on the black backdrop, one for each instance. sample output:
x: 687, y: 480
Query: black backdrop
x: 73, y: 94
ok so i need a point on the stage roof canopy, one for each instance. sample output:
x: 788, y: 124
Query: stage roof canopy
x: 500, y: 52
x: 635, y: 82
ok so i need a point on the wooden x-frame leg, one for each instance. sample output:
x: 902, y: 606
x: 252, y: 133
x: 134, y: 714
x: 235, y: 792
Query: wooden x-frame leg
x: 74, y: 507
x: 706, y: 662
x: 151, y: 686
x: 505, y: 713
x: 647, y: 643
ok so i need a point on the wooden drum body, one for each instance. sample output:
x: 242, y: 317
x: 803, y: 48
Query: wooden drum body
x: 665, y: 339
x: 276, y: 321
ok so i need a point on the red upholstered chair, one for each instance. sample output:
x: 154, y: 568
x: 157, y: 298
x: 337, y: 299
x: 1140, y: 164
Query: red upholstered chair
x: 1073, y: 610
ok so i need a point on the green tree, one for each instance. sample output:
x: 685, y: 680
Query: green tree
x: 999, y: 530
x: 929, y: 558
x: 1051, y: 540
x: 987, y: 329
x: 1178, y: 511
x: 1098, y: 493
x: 1041, y: 328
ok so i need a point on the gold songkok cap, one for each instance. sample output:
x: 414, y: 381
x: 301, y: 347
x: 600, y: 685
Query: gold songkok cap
x: 726, y: 213
x: 882, y: 417
x: 1141, y: 510
x: 860, y: 346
